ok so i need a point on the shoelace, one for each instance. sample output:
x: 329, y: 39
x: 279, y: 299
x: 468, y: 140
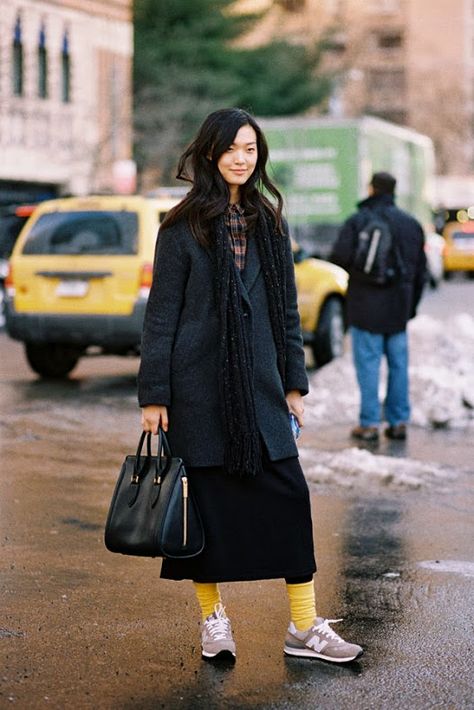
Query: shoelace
x: 324, y: 628
x: 218, y: 626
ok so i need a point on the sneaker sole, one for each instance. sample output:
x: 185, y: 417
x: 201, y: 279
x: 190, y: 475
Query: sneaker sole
x: 224, y: 656
x: 308, y: 653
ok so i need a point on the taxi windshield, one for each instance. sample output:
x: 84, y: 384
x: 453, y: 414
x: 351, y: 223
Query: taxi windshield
x: 93, y: 232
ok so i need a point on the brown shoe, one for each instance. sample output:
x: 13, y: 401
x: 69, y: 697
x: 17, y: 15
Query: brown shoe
x: 397, y: 431
x: 365, y: 433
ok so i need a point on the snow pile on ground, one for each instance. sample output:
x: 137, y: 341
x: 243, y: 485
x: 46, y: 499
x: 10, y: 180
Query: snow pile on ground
x: 442, y: 371
x: 334, y: 395
x: 441, y: 392
x: 441, y: 378
x: 356, y: 468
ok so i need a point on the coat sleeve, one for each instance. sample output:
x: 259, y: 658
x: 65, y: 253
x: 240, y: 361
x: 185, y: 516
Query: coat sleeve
x: 162, y: 314
x: 343, y: 250
x: 421, y: 274
x: 296, y: 377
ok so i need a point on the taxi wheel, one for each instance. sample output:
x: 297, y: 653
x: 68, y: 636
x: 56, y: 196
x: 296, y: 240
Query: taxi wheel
x: 328, y: 341
x: 51, y: 360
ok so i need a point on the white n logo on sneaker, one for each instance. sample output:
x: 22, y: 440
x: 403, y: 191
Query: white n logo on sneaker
x: 316, y: 644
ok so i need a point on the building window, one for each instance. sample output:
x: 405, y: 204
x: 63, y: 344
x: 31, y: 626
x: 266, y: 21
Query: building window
x: 394, y: 116
x: 337, y: 43
x: 65, y: 71
x: 292, y: 5
x: 42, y: 65
x: 394, y: 40
x: 17, y: 60
x: 386, y: 89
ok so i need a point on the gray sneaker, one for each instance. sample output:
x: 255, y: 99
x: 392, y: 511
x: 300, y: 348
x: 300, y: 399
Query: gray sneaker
x: 320, y: 641
x: 217, y: 639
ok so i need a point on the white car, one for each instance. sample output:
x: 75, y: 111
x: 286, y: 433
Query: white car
x: 434, y: 248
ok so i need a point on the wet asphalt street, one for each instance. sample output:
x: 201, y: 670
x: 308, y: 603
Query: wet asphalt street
x: 83, y: 628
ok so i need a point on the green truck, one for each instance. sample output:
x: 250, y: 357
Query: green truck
x: 323, y: 167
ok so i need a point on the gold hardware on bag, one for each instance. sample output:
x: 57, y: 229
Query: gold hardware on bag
x: 184, y: 482
x: 157, y: 480
x: 135, y: 478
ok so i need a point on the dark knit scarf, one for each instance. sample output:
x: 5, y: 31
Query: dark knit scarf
x: 242, y: 452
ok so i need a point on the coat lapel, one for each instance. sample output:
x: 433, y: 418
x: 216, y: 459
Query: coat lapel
x: 252, y: 264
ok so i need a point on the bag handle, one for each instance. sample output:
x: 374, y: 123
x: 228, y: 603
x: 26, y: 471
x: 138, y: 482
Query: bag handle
x: 137, y: 469
x: 163, y: 445
x: 163, y: 457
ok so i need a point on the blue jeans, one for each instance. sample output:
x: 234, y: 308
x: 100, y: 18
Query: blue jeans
x: 367, y: 351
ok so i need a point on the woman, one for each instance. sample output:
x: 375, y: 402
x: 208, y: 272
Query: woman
x: 222, y: 368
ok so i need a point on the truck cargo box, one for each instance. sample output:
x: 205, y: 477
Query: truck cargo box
x: 323, y: 167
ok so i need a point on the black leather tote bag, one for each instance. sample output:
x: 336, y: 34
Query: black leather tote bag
x: 153, y: 512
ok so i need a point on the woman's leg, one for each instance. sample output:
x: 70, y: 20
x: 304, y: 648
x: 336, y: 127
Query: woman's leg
x: 208, y: 595
x: 302, y: 601
x: 216, y: 635
x: 309, y: 636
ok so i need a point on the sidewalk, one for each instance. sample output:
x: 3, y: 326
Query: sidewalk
x: 83, y: 628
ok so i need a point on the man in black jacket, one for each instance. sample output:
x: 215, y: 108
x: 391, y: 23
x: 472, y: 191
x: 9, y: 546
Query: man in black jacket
x: 378, y: 314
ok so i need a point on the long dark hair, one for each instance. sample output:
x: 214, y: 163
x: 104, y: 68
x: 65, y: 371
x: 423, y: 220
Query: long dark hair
x: 209, y: 195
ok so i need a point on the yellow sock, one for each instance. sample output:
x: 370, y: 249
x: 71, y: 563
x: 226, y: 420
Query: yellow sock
x: 302, y: 604
x: 208, y: 596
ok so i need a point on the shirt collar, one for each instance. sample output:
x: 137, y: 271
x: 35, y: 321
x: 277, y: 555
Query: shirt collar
x: 236, y: 208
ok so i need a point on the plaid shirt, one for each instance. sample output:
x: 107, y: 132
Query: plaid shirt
x: 237, y: 226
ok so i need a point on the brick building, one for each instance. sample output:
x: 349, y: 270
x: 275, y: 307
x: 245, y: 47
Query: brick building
x: 65, y: 96
x: 408, y: 61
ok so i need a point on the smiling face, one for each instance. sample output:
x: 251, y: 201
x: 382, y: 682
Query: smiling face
x: 237, y: 163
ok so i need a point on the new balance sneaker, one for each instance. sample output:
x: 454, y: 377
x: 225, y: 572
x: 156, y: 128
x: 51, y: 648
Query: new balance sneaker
x: 217, y: 639
x: 320, y: 641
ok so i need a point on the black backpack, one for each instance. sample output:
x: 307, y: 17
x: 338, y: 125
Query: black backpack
x: 377, y: 258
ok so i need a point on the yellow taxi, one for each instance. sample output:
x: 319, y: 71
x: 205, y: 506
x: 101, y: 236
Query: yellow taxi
x: 321, y: 290
x: 80, y: 275
x: 459, y: 247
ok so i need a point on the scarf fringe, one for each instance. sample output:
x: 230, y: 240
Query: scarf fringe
x: 243, y: 455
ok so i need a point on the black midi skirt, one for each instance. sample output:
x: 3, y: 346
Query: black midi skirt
x: 255, y: 528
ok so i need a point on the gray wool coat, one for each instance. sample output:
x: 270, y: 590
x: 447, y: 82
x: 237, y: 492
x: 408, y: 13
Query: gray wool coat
x: 180, y: 349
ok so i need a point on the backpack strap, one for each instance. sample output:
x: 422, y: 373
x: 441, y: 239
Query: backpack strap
x: 400, y: 264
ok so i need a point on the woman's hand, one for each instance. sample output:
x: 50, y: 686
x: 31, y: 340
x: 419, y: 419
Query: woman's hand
x: 154, y: 416
x: 295, y: 404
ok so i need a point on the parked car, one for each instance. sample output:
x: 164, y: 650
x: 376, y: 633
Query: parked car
x: 80, y: 276
x: 321, y: 293
x: 434, y: 250
x: 12, y: 220
x: 459, y: 247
